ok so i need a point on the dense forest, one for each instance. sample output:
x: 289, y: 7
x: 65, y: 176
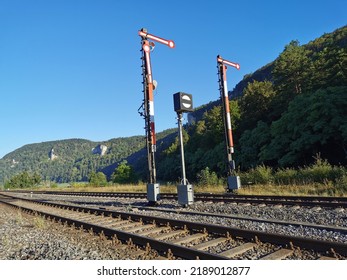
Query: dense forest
x: 290, y: 111
x: 283, y: 115
x: 75, y: 159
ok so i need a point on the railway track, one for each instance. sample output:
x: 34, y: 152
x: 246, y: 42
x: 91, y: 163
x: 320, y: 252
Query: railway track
x: 332, y: 222
x: 306, y: 201
x: 175, y: 239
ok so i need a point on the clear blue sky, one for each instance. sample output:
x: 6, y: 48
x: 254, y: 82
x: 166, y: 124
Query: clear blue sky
x: 71, y: 68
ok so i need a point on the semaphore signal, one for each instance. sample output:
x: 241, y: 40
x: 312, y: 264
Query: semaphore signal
x: 233, y: 181
x: 149, y: 85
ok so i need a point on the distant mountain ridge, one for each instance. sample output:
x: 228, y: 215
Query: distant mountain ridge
x: 74, y: 159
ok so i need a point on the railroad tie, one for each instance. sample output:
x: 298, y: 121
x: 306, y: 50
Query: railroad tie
x: 86, y: 218
x: 110, y: 222
x: 238, y: 250
x: 121, y: 246
x: 327, y: 258
x: 278, y: 255
x: 76, y: 216
x: 141, y: 228
x: 160, y: 258
x: 189, y: 238
x: 118, y: 223
x: 129, y: 226
x: 170, y: 234
x: 211, y: 243
x: 135, y: 254
x: 156, y: 230
x: 115, y: 223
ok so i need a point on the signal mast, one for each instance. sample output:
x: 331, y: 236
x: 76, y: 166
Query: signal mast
x: 233, y: 181
x: 148, y: 107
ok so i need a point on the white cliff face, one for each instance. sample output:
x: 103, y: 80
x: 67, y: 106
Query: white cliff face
x: 100, y: 150
x: 14, y: 163
x: 52, y: 155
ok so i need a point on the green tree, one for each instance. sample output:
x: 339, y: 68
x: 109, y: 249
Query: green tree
x: 214, y: 128
x: 123, y: 174
x: 330, y: 67
x: 209, y: 132
x: 292, y: 68
x: 251, y: 144
x: 313, y: 124
x: 292, y: 75
x: 23, y: 180
x: 97, y: 179
x: 255, y: 103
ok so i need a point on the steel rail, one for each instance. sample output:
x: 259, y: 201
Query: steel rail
x: 310, y: 201
x: 247, y: 218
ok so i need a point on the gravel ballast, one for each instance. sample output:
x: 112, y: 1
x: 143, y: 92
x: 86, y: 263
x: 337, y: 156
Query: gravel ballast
x: 26, y: 237
x: 322, y: 216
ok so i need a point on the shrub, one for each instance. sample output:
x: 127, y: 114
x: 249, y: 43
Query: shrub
x: 23, y: 180
x: 260, y: 175
x: 286, y: 176
x: 207, y: 178
x: 319, y: 172
x: 97, y: 179
x: 54, y: 185
x: 341, y: 183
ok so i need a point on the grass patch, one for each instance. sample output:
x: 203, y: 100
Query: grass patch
x: 39, y: 222
x: 19, y: 218
x: 320, y: 178
x: 327, y: 188
x: 164, y: 188
x: 294, y: 190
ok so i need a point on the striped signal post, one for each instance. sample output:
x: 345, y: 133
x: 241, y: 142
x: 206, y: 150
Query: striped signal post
x: 233, y: 181
x: 149, y: 85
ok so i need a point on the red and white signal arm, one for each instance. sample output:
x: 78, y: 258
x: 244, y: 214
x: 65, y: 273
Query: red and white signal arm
x: 227, y: 62
x: 146, y: 35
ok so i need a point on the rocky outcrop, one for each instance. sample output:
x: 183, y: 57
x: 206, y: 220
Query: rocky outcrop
x: 14, y: 163
x: 100, y: 150
x: 52, y: 155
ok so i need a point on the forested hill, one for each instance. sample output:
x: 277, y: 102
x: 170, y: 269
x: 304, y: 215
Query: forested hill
x: 74, y: 159
x: 283, y: 115
x: 327, y: 44
x: 290, y: 112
